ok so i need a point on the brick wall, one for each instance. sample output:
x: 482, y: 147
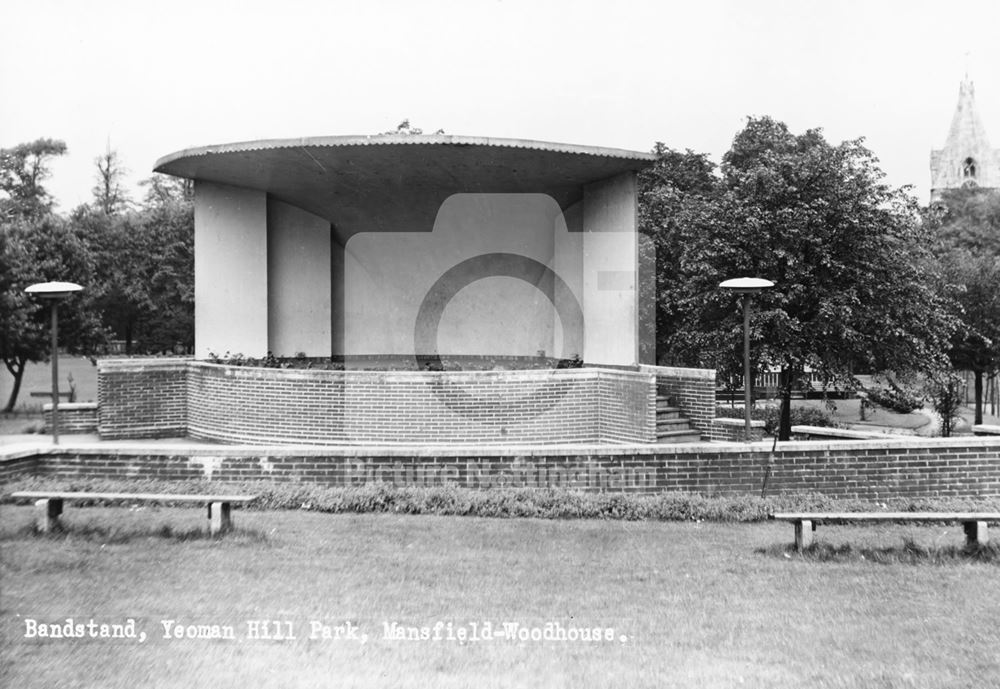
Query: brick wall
x: 17, y: 463
x: 261, y: 405
x: 874, y: 470
x: 74, y: 417
x: 627, y: 407
x: 142, y: 398
x: 691, y: 389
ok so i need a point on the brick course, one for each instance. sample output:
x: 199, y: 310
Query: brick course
x: 872, y: 470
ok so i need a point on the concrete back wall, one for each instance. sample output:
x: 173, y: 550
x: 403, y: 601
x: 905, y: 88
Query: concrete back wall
x: 387, y: 277
x: 506, y: 274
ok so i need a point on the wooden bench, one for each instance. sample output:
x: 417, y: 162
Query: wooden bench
x: 49, y: 505
x: 805, y: 522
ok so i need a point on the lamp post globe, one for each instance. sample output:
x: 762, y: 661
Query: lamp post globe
x: 746, y: 286
x: 54, y: 292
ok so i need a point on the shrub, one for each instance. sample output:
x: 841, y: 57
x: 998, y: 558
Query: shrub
x: 895, y: 398
x: 771, y: 416
x: 550, y: 503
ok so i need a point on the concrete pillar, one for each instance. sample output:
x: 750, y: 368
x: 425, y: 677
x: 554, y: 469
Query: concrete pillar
x: 975, y: 533
x: 219, y: 519
x: 47, y: 511
x: 610, y: 267
x: 298, y: 281
x: 230, y: 270
x: 804, y: 534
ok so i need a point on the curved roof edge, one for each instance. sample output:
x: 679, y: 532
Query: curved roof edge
x: 406, y: 139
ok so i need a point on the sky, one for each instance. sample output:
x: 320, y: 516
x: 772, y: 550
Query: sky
x: 151, y: 78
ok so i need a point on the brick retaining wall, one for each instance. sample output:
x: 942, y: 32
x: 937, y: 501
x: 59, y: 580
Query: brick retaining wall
x: 265, y: 405
x: 74, y: 417
x: 142, y: 398
x: 691, y: 389
x: 872, y: 470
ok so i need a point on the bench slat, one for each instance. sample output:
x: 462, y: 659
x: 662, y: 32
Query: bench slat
x: 151, y: 497
x: 888, y: 516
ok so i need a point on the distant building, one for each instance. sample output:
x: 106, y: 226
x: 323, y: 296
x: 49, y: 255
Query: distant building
x: 967, y: 159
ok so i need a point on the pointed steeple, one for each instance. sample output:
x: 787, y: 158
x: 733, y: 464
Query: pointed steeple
x: 967, y: 158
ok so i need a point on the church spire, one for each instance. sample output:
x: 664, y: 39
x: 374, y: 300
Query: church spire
x: 967, y: 159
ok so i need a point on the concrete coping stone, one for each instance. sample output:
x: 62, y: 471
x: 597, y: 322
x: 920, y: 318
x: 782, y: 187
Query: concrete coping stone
x: 183, y: 447
x: 678, y: 372
x: 842, y: 433
x: 142, y: 363
x: 726, y: 421
x: 71, y: 406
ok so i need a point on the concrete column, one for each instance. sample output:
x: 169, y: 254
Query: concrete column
x: 804, y: 534
x: 610, y: 267
x: 219, y: 518
x: 298, y: 281
x: 47, y: 511
x: 975, y: 533
x: 230, y: 270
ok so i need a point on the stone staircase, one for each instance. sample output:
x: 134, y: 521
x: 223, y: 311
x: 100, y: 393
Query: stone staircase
x: 671, y: 427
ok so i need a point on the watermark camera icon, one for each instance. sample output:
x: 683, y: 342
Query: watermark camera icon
x: 502, y: 276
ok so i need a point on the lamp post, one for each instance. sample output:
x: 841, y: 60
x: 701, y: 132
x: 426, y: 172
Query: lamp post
x: 53, y: 292
x: 746, y: 287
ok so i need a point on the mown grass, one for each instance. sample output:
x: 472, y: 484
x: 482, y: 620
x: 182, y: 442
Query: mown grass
x: 909, y: 552
x: 700, y: 604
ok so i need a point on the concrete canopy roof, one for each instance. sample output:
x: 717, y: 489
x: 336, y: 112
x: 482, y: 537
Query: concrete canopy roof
x: 395, y: 182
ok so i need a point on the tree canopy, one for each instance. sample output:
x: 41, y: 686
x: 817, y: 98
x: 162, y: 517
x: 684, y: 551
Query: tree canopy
x: 967, y: 227
x: 855, y: 280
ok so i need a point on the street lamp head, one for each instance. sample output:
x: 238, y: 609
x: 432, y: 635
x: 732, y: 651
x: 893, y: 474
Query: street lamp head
x: 746, y: 285
x: 53, y: 290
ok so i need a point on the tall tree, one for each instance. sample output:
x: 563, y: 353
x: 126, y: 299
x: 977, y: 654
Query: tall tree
x: 967, y: 227
x: 854, y: 276
x: 110, y: 196
x: 676, y: 181
x: 144, y: 267
x: 23, y: 168
x: 41, y: 250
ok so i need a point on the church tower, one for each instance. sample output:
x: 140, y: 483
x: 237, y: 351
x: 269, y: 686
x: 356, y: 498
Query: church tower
x: 967, y: 159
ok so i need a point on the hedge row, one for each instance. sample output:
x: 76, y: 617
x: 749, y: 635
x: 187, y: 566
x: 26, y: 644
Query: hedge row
x: 506, y: 502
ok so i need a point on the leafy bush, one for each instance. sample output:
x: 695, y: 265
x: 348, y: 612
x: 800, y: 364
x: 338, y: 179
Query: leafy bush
x: 895, y: 398
x: 771, y: 416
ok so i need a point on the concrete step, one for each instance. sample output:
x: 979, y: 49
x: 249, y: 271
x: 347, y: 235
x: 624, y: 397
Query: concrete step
x: 672, y: 424
x: 683, y: 436
x: 667, y: 409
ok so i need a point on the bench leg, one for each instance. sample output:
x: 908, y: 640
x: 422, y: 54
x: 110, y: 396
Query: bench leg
x: 804, y: 533
x: 47, y: 511
x: 219, y: 519
x: 975, y: 533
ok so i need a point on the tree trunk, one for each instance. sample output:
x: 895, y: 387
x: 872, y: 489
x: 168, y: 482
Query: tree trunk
x: 17, y: 370
x: 979, y: 396
x: 785, y: 423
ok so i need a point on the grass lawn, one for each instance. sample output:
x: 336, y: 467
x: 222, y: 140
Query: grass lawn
x: 698, y: 604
